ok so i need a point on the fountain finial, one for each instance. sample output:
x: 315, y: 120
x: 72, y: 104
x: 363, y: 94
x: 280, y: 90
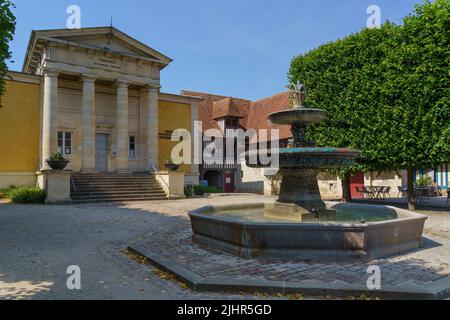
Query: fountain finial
x: 297, y: 94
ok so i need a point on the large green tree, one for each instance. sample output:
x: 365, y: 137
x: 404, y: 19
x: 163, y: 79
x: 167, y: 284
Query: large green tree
x: 7, y: 29
x: 387, y: 92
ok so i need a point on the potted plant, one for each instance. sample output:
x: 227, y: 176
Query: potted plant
x: 170, y: 165
x: 424, y: 182
x: 57, y: 161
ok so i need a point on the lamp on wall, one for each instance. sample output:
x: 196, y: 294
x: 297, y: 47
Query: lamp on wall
x: 114, y: 150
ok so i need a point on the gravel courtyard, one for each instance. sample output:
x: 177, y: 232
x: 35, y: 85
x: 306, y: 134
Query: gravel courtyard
x: 38, y: 243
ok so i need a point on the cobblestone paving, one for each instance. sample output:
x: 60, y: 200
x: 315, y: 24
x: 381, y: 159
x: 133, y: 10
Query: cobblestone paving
x: 37, y: 243
x: 419, y: 268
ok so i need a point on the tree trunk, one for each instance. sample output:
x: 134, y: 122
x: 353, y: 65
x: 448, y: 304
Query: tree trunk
x: 410, y: 179
x: 346, y: 188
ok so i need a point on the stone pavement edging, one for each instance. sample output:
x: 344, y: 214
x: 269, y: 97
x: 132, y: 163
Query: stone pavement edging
x: 439, y: 289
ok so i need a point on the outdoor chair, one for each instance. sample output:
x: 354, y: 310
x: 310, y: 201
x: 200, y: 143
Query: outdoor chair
x: 402, y: 192
x: 368, y: 192
x: 377, y: 192
x: 421, y: 194
x: 386, y: 191
x: 433, y: 191
x: 360, y: 191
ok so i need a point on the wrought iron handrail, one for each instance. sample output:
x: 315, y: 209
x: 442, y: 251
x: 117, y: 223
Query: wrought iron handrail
x: 72, y: 180
x: 261, y: 175
x: 161, y: 178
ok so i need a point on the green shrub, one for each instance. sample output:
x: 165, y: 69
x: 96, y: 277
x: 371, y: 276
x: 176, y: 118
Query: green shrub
x: 424, y: 181
x: 200, y: 190
x: 4, y: 193
x: 23, y: 194
x: 188, y: 192
x: 57, y: 157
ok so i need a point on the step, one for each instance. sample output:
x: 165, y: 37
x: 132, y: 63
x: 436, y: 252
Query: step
x: 108, y: 191
x: 112, y: 188
x: 112, y: 176
x: 142, y: 194
x: 89, y: 188
x: 115, y: 179
x: 119, y: 185
x: 74, y: 201
x: 122, y: 196
x: 118, y: 198
x: 113, y: 193
x: 112, y: 184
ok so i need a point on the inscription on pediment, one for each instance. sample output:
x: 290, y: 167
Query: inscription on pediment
x: 107, y: 63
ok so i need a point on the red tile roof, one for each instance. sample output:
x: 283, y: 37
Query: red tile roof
x: 230, y: 107
x: 253, y: 114
x: 260, y: 110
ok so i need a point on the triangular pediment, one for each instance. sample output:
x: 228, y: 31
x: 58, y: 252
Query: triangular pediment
x: 107, y: 42
x: 108, y: 39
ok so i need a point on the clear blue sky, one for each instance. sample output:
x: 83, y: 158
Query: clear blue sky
x: 239, y: 48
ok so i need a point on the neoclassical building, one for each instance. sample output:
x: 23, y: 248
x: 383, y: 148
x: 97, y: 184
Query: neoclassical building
x: 92, y: 94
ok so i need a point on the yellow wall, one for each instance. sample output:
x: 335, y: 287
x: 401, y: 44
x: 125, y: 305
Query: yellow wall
x: 19, y: 127
x: 172, y: 116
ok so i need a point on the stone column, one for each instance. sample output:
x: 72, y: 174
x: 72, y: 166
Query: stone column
x: 152, y: 128
x: 196, y: 142
x: 122, y: 127
x: 88, y: 153
x: 49, y: 113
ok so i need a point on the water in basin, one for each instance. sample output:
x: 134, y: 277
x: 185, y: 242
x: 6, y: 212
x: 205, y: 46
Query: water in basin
x: 341, y: 216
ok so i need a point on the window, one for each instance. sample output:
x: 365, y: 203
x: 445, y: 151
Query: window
x: 232, y: 123
x: 132, y: 146
x: 65, y: 143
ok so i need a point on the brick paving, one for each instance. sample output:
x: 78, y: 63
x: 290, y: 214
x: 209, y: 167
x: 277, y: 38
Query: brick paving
x: 419, y: 268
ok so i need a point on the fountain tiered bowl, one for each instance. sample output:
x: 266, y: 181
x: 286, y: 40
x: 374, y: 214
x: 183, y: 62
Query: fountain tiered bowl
x: 299, y: 166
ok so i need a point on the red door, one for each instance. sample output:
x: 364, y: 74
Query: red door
x: 229, y: 182
x: 357, y: 182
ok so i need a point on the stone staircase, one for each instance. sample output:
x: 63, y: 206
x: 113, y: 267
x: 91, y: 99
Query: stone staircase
x: 112, y: 187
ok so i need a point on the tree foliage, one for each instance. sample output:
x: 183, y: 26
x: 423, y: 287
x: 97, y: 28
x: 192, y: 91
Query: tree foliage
x: 387, y: 91
x: 7, y: 29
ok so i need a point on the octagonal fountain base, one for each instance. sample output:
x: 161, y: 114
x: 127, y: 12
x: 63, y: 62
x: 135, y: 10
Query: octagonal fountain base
x: 342, y: 232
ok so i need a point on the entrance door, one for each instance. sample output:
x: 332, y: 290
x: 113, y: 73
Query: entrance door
x: 229, y: 182
x: 101, y: 152
x: 356, y: 182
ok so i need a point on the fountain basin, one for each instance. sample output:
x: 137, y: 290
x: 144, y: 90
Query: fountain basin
x: 312, y: 157
x: 299, y: 115
x: 247, y: 231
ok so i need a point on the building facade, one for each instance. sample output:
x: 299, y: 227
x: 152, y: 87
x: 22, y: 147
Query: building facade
x: 94, y: 96
x: 228, y: 114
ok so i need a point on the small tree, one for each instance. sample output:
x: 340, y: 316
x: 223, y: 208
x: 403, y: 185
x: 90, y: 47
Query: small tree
x: 417, y: 89
x: 386, y: 91
x: 7, y: 29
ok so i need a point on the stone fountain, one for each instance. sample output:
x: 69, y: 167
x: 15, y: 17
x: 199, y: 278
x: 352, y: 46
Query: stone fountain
x: 300, y: 225
x: 300, y: 166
